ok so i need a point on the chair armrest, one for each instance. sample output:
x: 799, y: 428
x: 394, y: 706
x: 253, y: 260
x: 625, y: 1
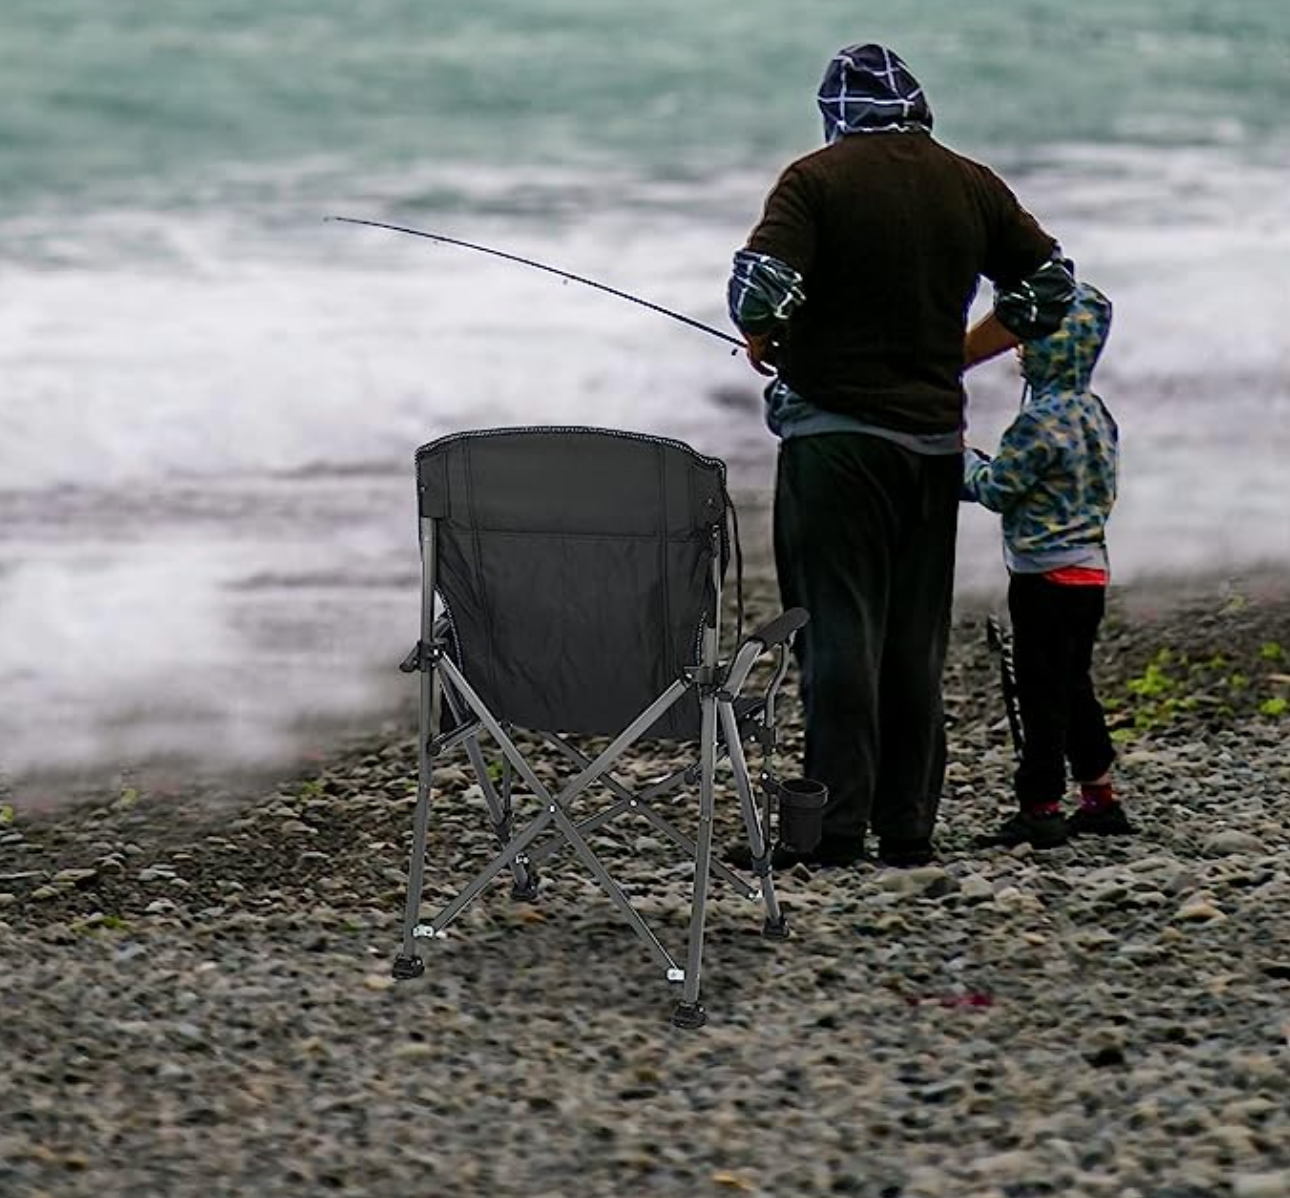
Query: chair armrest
x: 777, y: 631
x: 770, y: 635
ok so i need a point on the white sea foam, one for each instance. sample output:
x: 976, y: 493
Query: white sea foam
x: 206, y: 523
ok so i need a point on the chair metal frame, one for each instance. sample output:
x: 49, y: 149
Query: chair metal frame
x: 726, y: 718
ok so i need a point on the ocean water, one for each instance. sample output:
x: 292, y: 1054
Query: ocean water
x: 210, y: 395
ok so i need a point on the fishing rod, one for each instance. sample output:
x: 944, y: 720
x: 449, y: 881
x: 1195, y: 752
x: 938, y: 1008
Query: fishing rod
x: 552, y: 270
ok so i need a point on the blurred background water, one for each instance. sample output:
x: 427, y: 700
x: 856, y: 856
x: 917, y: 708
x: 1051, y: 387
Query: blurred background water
x: 209, y: 397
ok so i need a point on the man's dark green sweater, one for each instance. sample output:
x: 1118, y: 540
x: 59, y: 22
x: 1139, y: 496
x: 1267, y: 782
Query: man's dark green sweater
x: 891, y: 233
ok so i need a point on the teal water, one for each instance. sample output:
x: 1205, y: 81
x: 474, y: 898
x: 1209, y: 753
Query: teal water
x: 209, y: 396
x: 195, y: 101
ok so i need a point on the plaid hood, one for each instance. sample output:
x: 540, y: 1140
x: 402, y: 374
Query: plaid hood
x: 869, y: 89
x: 1064, y: 360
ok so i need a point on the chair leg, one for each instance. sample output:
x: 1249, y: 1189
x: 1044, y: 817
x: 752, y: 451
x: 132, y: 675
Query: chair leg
x: 775, y: 926
x: 408, y: 964
x: 524, y: 876
x: 524, y: 884
x: 689, y: 1012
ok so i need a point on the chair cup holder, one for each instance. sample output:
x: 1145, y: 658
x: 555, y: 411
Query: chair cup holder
x: 801, y: 813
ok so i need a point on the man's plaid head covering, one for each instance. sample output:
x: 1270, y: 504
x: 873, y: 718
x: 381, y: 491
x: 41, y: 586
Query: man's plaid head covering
x: 868, y: 89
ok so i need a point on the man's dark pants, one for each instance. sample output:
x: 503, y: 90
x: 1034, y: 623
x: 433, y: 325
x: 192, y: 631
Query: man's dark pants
x: 1054, y: 626
x: 864, y: 540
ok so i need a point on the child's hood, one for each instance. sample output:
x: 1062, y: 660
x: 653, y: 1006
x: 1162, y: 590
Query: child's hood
x: 1064, y: 360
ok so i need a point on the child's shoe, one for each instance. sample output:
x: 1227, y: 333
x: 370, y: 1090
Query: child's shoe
x: 1099, y: 814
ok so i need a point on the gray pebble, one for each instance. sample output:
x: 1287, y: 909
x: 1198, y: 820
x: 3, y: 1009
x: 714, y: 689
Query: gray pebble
x: 1231, y: 842
x: 1262, y: 1185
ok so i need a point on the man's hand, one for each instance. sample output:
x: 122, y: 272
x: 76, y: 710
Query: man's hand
x: 761, y: 353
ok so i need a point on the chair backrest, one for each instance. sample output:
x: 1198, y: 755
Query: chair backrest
x: 575, y: 565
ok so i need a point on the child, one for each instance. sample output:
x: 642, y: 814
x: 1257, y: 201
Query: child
x: 1054, y: 482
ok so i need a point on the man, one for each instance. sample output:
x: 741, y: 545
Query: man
x: 855, y: 288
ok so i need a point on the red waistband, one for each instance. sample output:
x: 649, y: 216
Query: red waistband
x: 1078, y: 576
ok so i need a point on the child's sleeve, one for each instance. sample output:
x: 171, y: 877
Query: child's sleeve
x: 1025, y: 452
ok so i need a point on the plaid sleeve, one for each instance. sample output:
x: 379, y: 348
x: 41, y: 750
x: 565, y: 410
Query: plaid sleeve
x: 1036, y: 306
x: 999, y: 482
x: 762, y: 291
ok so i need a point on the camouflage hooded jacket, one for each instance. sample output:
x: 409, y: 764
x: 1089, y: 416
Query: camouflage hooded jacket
x: 1054, y: 477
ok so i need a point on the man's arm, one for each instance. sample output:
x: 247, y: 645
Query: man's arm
x: 762, y: 293
x: 987, y: 339
x: 766, y: 282
x: 1033, y: 307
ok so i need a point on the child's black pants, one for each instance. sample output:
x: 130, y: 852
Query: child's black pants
x: 1054, y: 626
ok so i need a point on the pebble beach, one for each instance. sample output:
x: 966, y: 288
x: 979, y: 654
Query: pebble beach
x: 197, y: 998
x: 212, y: 392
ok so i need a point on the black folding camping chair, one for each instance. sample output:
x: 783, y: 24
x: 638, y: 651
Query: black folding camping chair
x: 580, y: 573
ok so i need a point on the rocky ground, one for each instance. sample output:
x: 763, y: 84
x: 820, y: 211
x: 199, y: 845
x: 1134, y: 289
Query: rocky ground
x: 196, y: 997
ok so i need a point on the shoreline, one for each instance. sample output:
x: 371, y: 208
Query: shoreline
x: 275, y: 702
x: 1160, y: 599
x: 198, y: 998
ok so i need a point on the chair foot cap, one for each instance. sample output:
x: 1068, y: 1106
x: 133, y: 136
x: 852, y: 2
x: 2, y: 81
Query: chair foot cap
x: 406, y: 968
x: 776, y: 929
x: 689, y: 1015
